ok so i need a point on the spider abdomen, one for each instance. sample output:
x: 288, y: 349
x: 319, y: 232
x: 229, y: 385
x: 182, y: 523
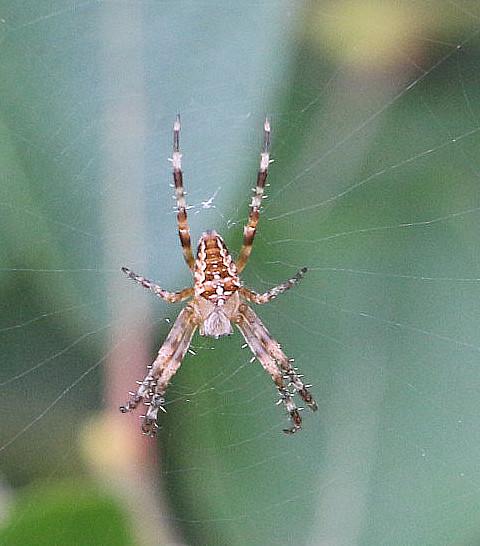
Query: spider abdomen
x: 216, y: 277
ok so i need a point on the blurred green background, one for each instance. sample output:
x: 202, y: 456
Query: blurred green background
x: 376, y: 124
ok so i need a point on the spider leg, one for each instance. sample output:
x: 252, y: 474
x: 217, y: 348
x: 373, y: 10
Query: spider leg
x: 270, y: 366
x: 167, y: 371
x: 164, y: 367
x: 274, y: 350
x: 250, y: 229
x: 183, y: 227
x: 271, y: 294
x: 171, y: 297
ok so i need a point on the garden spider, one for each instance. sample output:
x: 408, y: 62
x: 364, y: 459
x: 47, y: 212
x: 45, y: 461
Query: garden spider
x: 219, y: 299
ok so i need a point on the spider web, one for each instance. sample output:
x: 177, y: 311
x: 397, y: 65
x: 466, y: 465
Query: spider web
x: 374, y: 187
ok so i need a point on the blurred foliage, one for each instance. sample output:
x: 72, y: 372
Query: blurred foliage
x: 66, y: 513
x: 262, y: 492
x: 366, y: 166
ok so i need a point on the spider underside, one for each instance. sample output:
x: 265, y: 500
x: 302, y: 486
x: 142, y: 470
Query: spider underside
x: 217, y: 300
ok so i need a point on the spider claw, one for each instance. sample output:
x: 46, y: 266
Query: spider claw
x: 292, y: 430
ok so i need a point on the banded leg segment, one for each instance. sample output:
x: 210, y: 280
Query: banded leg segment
x: 167, y: 371
x: 271, y: 294
x: 152, y: 389
x: 183, y: 227
x: 250, y: 229
x: 270, y: 366
x: 171, y: 297
x: 274, y: 350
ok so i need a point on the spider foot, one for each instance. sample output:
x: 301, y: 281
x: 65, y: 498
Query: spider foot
x: 149, y: 420
x: 308, y: 399
x: 291, y: 430
x: 137, y: 278
x: 287, y: 399
x: 296, y: 420
x: 144, y: 392
x: 131, y: 404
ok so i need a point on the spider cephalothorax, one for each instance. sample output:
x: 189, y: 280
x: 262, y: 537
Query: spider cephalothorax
x: 218, y: 301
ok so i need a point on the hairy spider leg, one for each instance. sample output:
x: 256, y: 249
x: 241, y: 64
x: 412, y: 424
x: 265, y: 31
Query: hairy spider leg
x: 164, y: 367
x: 183, y: 227
x: 166, y: 370
x: 271, y: 294
x: 250, y: 229
x: 270, y: 366
x: 171, y: 297
x: 273, y: 348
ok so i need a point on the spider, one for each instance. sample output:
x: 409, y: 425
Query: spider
x: 218, y: 300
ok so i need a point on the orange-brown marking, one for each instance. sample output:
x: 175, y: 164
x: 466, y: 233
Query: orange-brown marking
x: 215, y: 271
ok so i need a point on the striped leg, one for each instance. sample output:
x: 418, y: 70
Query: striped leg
x: 152, y: 389
x: 251, y: 227
x: 183, y: 227
x: 168, y: 367
x: 271, y: 294
x: 171, y: 297
x: 274, y: 350
x: 270, y: 366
